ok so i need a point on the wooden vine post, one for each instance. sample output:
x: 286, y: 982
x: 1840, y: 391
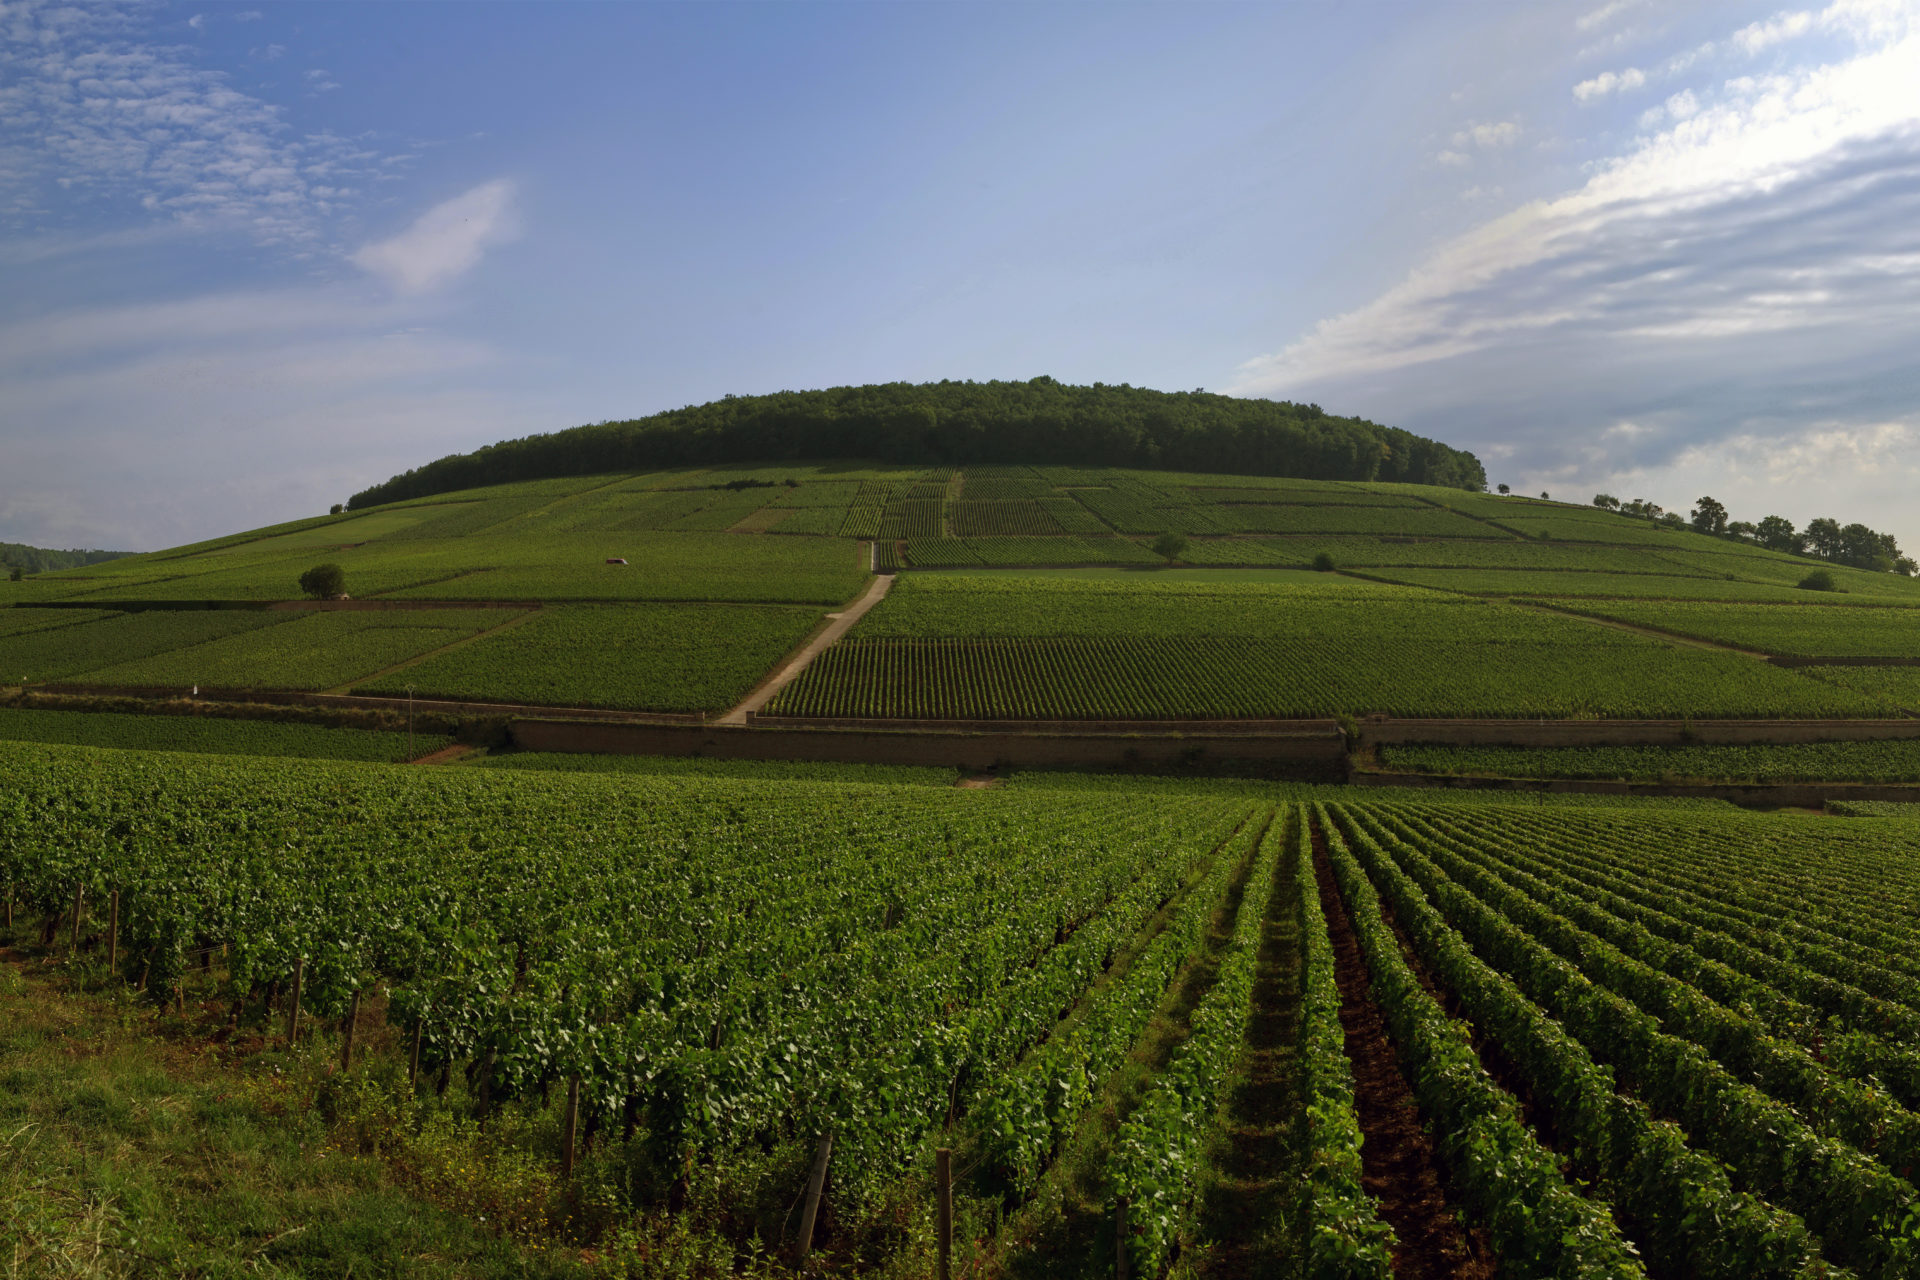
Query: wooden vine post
x: 293, y: 1005
x: 943, y: 1185
x: 815, y: 1185
x: 346, y: 1041
x: 79, y: 902
x: 571, y: 1129
x: 113, y: 933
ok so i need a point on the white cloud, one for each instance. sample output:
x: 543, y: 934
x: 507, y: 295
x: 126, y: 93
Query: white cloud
x: 446, y: 241
x: 1744, y: 269
x: 1609, y: 82
x: 321, y: 81
x: 90, y: 111
x: 198, y: 21
x: 1600, y: 17
x: 1501, y: 134
x: 1781, y: 27
x: 1453, y: 159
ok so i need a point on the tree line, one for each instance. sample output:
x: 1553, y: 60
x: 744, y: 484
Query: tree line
x: 1854, y: 545
x: 18, y: 559
x: 1040, y: 421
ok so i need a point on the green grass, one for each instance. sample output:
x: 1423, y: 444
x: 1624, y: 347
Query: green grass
x: 319, y: 650
x: 208, y: 734
x: 1803, y: 762
x: 127, y: 1153
x: 667, y: 657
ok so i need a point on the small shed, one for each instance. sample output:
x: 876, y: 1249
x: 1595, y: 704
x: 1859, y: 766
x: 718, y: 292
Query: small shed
x: 615, y: 560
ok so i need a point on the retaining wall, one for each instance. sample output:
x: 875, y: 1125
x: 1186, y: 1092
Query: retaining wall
x: 1310, y: 752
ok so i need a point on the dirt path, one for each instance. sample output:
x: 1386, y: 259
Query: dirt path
x: 1246, y: 1206
x: 1400, y: 1165
x: 445, y: 755
x: 784, y: 674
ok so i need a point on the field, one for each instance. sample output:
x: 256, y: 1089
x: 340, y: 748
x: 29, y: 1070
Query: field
x: 1694, y: 1029
x: 1897, y: 761
x: 805, y: 537
x: 666, y: 657
x: 209, y: 735
x: 1120, y: 646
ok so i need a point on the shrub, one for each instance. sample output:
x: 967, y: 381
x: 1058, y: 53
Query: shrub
x: 1169, y: 545
x: 324, y: 581
x: 1819, y: 580
x: 1324, y: 562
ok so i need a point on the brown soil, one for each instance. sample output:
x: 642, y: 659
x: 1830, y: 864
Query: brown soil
x: 445, y: 754
x: 1246, y: 1206
x: 1401, y: 1167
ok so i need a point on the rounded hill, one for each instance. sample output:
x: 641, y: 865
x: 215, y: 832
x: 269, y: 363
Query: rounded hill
x: 967, y: 423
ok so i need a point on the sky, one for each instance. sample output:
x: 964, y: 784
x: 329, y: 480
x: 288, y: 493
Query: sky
x: 257, y: 257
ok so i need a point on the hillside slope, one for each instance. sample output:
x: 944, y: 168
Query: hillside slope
x: 958, y: 423
x: 678, y: 591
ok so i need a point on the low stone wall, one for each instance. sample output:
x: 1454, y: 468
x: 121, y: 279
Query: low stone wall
x: 1160, y: 728
x: 1777, y: 795
x: 1317, y: 755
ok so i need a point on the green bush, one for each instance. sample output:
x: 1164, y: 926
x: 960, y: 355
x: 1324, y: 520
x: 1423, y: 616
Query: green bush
x: 1819, y: 580
x: 1324, y: 562
x: 324, y: 581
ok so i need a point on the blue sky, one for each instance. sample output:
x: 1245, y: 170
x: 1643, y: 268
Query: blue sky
x: 256, y: 257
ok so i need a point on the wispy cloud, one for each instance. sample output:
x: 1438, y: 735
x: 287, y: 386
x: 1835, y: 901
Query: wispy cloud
x: 446, y: 241
x: 91, y: 109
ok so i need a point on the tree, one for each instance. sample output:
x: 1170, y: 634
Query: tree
x: 324, y: 581
x: 1324, y: 562
x: 1776, y: 533
x: 1543, y: 496
x: 1169, y: 545
x: 1606, y: 502
x: 337, y: 508
x: 1743, y: 530
x: 1506, y: 489
x: 14, y: 574
x: 1823, y: 538
x: 1709, y: 516
x: 1863, y: 548
x: 1905, y: 566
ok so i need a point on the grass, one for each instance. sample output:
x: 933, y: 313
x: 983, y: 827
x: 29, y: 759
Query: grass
x: 131, y: 1147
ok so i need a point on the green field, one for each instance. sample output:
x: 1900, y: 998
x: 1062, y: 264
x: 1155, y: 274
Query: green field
x: 1182, y: 645
x: 785, y: 540
x: 208, y: 734
x: 665, y: 657
x: 1896, y: 761
x: 1070, y: 982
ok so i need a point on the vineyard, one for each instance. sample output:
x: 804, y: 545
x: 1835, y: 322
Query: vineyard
x: 1897, y: 761
x: 1694, y: 1044
x: 955, y: 647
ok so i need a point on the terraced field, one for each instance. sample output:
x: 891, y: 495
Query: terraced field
x: 657, y: 552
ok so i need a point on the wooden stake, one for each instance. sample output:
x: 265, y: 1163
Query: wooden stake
x: 79, y: 900
x: 293, y: 1005
x: 113, y: 933
x: 346, y: 1044
x: 572, y: 1127
x: 815, y: 1185
x: 943, y: 1186
x: 413, y: 1063
x: 1120, y: 1238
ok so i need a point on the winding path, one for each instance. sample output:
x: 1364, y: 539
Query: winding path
x: 785, y: 673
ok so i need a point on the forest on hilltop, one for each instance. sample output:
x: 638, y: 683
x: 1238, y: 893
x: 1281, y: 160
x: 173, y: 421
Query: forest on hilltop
x: 16, y: 555
x: 961, y: 423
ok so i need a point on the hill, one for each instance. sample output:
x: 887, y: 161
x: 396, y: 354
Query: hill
x: 679, y: 591
x: 959, y: 423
